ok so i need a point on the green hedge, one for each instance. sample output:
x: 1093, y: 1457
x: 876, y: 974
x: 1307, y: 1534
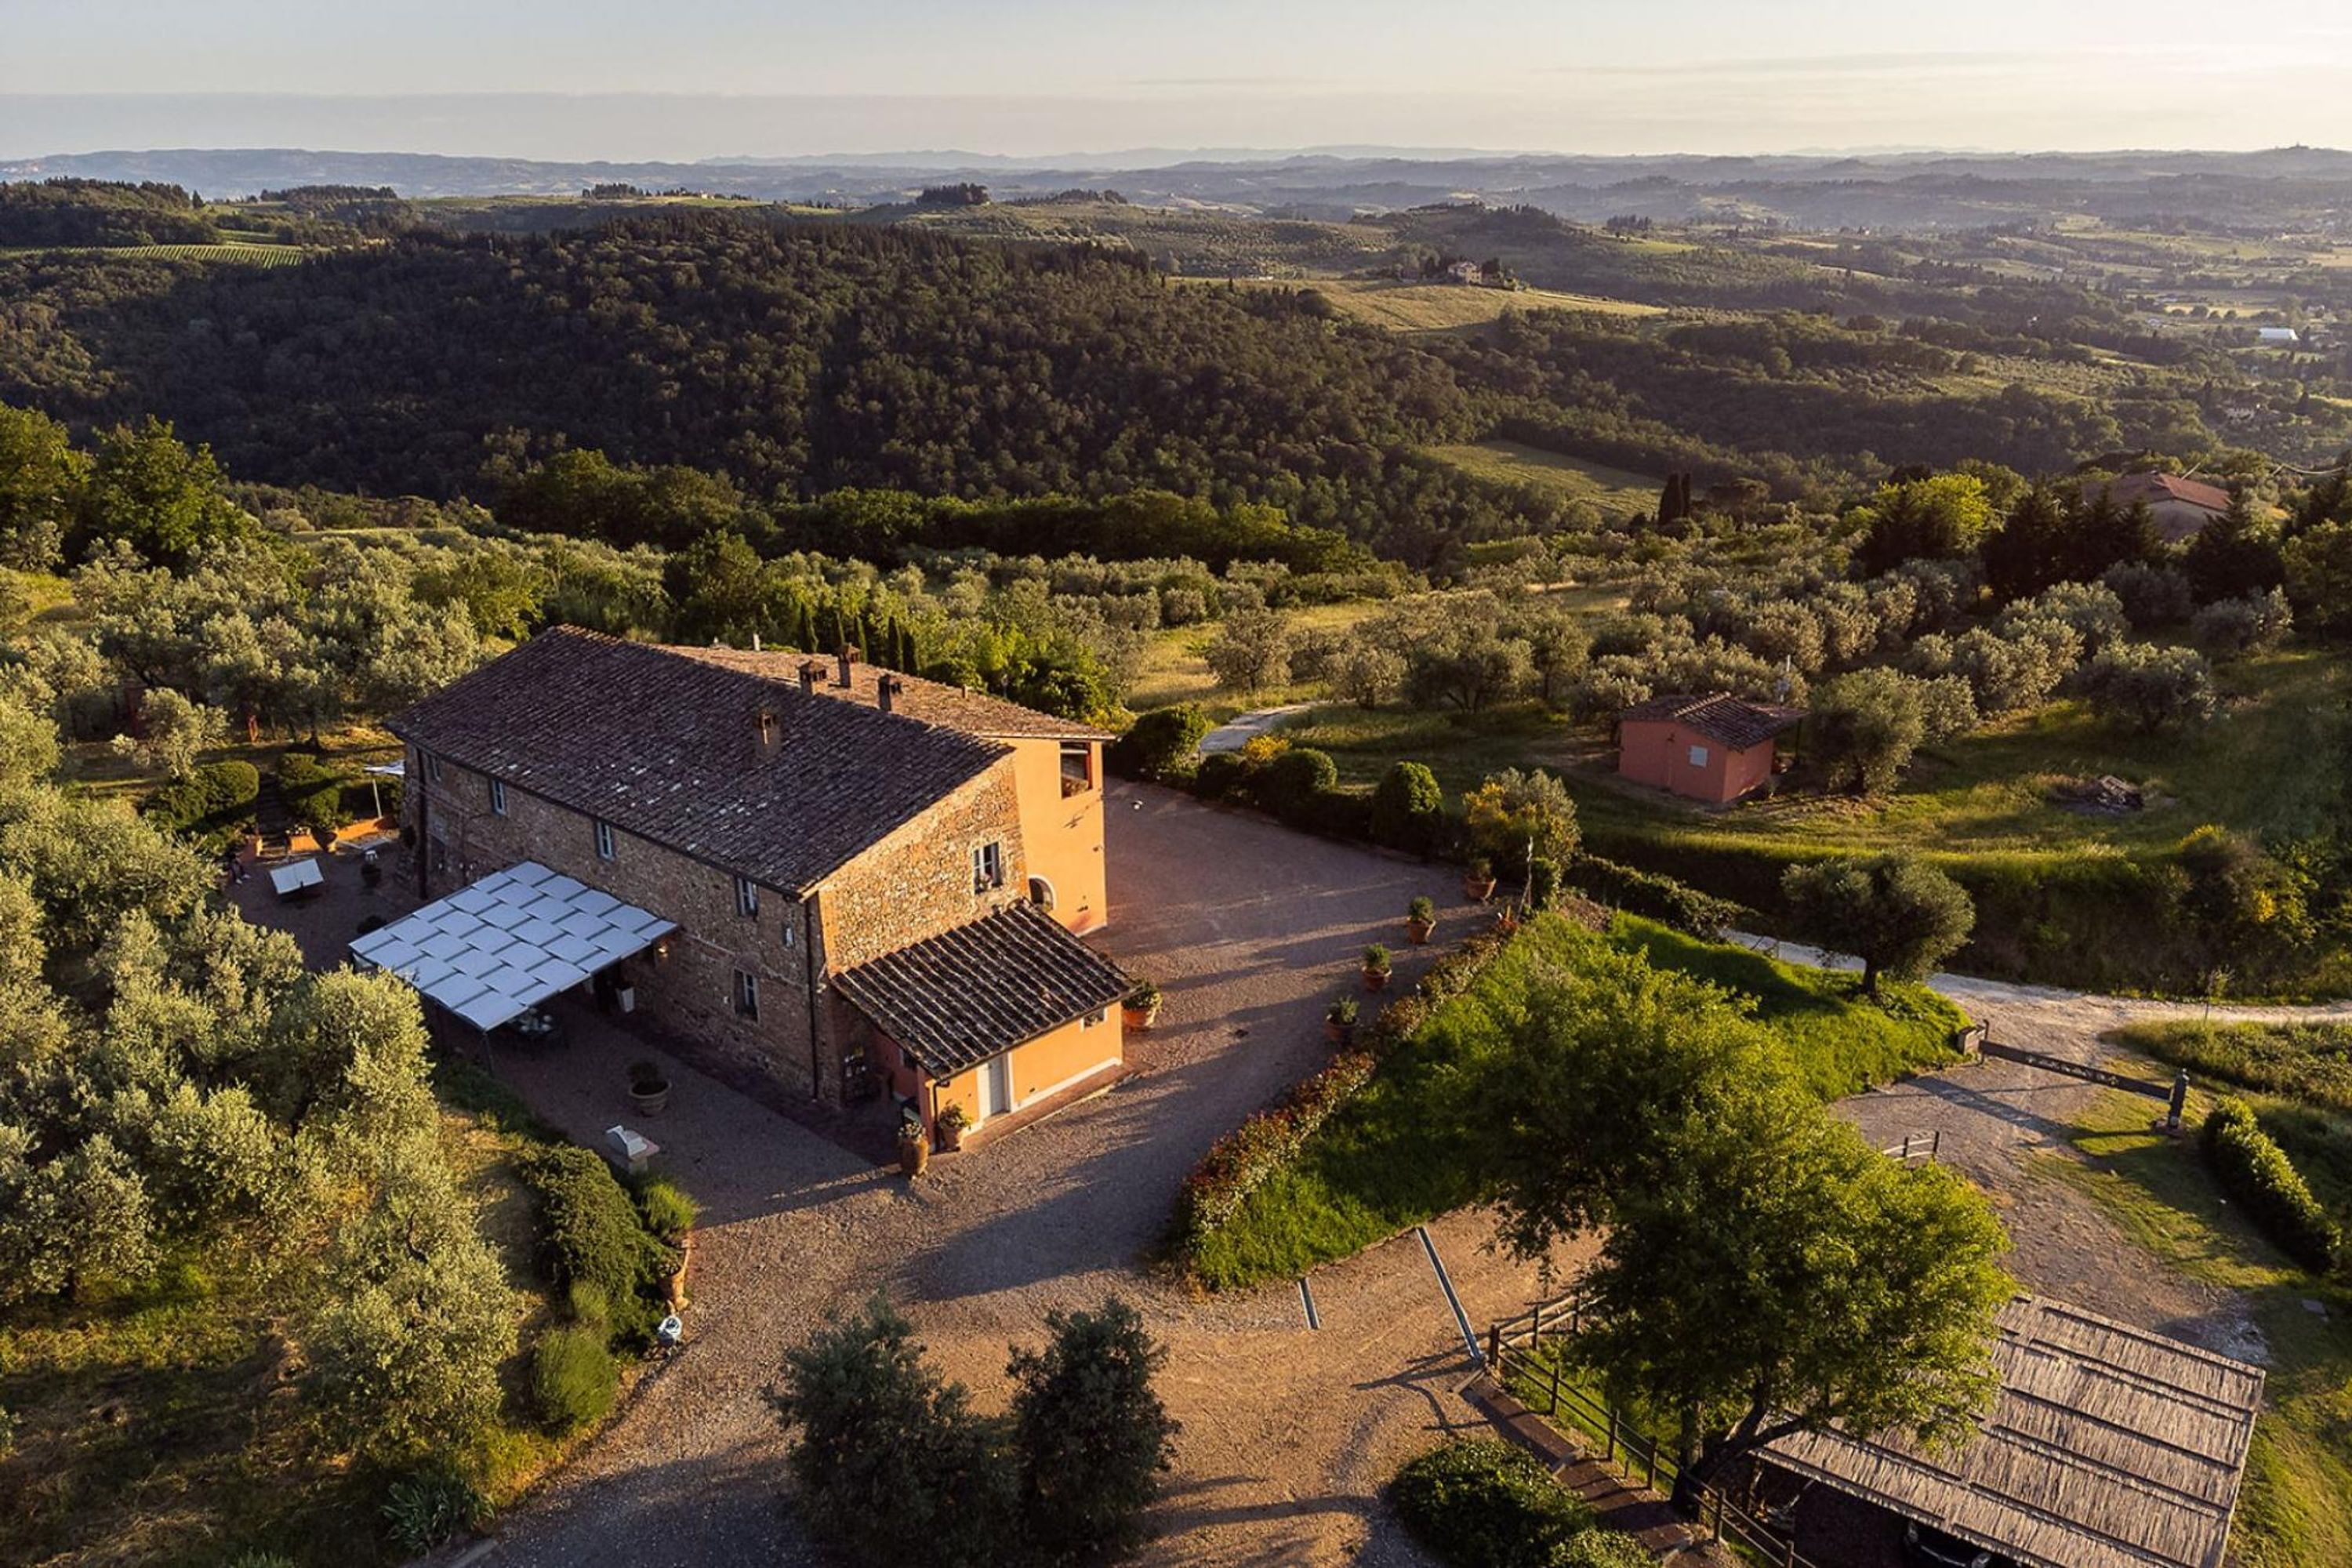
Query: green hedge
x: 1156, y: 747
x: 1484, y: 1503
x: 312, y: 790
x: 214, y: 807
x: 592, y: 1234
x: 2255, y: 1172
x: 1663, y: 899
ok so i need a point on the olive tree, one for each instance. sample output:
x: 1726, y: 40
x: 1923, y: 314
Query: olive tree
x: 1863, y: 728
x: 1251, y: 652
x: 1091, y: 1437
x: 1897, y: 915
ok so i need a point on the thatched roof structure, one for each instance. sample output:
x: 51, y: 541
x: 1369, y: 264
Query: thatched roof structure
x: 2109, y: 1447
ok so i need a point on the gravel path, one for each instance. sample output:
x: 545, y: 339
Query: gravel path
x: 1243, y: 728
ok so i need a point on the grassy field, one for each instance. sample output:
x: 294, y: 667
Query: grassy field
x: 242, y: 252
x: 1447, y: 307
x: 2291, y: 1513
x: 1615, y: 491
x: 2311, y: 1062
x: 1401, y: 1152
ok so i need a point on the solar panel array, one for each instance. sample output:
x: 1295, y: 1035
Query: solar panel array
x: 491, y: 951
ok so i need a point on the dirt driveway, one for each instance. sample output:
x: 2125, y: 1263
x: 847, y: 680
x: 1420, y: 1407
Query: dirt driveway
x: 1289, y: 1433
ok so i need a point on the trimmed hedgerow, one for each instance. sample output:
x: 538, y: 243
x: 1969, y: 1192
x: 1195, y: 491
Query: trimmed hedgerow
x: 1237, y: 1164
x: 214, y: 806
x: 312, y: 790
x: 1662, y: 898
x: 2256, y: 1172
x: 1483, y: 1503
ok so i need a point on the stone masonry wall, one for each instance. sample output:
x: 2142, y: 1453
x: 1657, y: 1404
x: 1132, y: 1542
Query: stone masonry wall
x: 917, y: 881
x: 691, y: 993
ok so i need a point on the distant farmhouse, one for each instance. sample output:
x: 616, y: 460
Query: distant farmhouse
x: 845, y: 880
x: 2277, y: 335
x: 1466, y: 272
x: 2182, y: 507
x: 1714, y: 747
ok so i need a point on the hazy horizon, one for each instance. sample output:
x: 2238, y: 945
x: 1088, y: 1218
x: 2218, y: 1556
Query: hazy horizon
x: 603, y: 79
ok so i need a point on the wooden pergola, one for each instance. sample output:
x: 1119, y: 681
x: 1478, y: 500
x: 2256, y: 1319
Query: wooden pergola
x: 2108, y: 1446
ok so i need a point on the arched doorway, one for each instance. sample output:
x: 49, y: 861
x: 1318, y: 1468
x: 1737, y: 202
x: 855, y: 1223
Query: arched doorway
x: 1040, y: 893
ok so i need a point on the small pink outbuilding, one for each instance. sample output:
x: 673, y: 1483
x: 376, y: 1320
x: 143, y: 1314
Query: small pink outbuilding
x: 1713, y: 747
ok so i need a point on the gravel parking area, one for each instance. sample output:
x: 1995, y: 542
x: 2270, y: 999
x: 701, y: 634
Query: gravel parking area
x: 1289, y: 1434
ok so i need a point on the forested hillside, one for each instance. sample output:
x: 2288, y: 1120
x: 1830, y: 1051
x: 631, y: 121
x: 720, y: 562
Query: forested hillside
x: 796, y: 360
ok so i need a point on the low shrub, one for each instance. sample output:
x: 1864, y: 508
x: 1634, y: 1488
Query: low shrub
x: 1606, y: 1549
x: 1662, y: 898
x: 427, y: 1511
x: 574, y: 1378
x: 1221, y: 775
x: 1484, y: 1503
x: 1408, y: 809
x: 1158, y: 745
x: 214, y: 806
x: 668, y: 1209
x: 2255, y: 1172
x: 1292, y: 785
x: 592, y: 1234
x: 312, y: 790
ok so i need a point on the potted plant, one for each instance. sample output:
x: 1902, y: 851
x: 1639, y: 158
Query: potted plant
x: 648, y: 1087
x: 1420, y: 920
x: 914, y: 1148
x: 1478, y: 881
x: 1376, y: 967
x: 952, y: 1123
x: 1340, y: 1022
x: 1507, y: 919
x: 1141, y: 1009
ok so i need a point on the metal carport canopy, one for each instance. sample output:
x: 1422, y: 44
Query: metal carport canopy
x: 491, y: 951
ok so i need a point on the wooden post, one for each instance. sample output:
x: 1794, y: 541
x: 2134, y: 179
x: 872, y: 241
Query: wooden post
x: 2179, y: 1102
x: 1555, y: 1385
x: 1649, y: 1465
x: 1534, y: 1325
x: 1494, y: 1350
x: 1612, y: 1435
x: 1718, y: 1516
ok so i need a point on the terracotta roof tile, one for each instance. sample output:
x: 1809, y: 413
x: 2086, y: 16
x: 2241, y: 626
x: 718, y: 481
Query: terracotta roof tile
x: 1719, y: 716
x: 932, y: 701
x: 2132, y: 489
x: 960, y: 997
x: 668, y: 749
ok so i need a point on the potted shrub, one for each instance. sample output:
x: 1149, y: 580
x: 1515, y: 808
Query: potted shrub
x: 1507, y: 919
x: 649, y: 1086
x: 1478, y: 881
x: 952, y: 1123
x: 1141, y: 1009
x: 1340, y: 1022
x: 1376, y: 967
x: 1420, y: 920
x: 914, y: 1148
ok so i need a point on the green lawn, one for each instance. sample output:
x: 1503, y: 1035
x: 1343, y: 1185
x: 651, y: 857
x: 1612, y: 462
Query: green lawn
x: 2306, y: 1061
x: 1400, y: 1154
x: 2290, y: 1514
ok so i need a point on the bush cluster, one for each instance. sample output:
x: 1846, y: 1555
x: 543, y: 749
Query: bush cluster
x: 1242, y: 1161
x: 312, y: 789
x: 593, y: 1237
x: 1157, y: 747
x: 574, y: 1377
x: 2255, y: 1172
x: 214, y: 806
x: 1484, y: 1503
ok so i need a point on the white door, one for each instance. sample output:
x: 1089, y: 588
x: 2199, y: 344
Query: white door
x: 995, y: 1088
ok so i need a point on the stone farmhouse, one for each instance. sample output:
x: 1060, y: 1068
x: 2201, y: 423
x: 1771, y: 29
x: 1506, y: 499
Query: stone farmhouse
x: 2181, y: 508
x: 875, y: 881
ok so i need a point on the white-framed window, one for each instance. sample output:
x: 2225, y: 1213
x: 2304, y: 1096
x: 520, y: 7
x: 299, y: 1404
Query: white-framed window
x: 1077, y: 767
x: 747, y: 898
x: 747, y: 994
x: 987, y: 868
x: 432, y: 766
x: 786, y: 927
x: 1698, y: 756
x: 604, y: 845
x: 1095, y: 1020
x: 498, y: 797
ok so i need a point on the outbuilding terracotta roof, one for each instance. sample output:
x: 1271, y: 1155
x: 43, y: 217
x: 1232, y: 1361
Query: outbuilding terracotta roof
x: 958, y: 998
x: 932, y: 701
x: 1717, y: 715
x: 2133, y: 489
x: 672, y: 750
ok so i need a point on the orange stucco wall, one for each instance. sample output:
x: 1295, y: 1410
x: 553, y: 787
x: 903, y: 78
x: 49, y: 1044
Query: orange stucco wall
x: 1063, y: 835
x: 1658, y: 753
x: 1051, y: 1061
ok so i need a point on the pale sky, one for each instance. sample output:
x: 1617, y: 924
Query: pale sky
x: 692, y: 79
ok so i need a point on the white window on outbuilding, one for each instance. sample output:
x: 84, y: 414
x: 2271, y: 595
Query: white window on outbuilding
x: 1698, y: 756
x: 747, y: 898
x: 604, y: 845
x: 498, y: 797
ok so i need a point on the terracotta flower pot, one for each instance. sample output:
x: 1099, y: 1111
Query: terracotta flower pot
x: 914, y: 1155
x: 1417, y: 930
x: 1140, y: 1017
x: 1340, y: 1034
x: 650, y: 1098
x: 950, y: 1136
x: 1376, y: 979
x: 1477, y: 890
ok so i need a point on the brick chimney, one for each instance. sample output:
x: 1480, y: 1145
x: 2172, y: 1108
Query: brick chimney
x: 848, y: 657
x: 885, y: 693
x: 810, y: 670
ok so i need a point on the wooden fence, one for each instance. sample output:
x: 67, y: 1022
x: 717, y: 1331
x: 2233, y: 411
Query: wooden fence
x: 1516, y: 1345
